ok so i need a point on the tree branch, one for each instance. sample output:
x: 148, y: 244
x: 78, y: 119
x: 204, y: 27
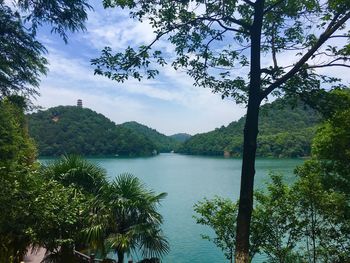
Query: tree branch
x: 243, y: 24
x: 230, y: 28
x: 322, y: 39
x: 249, y: 3
x: 208, y: 44
x: 269, y: 8
x: 328, y: 65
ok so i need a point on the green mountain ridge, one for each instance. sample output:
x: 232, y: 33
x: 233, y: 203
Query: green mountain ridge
x: 285, y: 131
x: 70, y: 129
x: 181, y: 137
x: 162, y: 142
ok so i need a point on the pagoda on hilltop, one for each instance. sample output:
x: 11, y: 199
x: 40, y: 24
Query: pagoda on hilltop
x: 79, y: 103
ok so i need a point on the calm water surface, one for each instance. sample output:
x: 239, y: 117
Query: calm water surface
x: 187, y: 180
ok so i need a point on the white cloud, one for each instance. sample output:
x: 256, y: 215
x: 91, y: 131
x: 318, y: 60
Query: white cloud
x: 169, y: 104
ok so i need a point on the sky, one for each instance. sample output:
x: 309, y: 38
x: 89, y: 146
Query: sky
x: 169, y: 103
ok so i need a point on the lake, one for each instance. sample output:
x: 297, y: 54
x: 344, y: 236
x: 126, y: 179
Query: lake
x: 187, y: 180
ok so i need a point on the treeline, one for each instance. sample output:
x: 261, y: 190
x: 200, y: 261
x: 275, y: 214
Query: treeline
x: 74, y: 130
x: 286, y: 130
x: 162, y: 142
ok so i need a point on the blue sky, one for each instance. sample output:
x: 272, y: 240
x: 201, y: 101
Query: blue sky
x: 169, y: 103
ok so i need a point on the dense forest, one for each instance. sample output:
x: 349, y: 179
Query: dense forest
x: 162, y: 142
x: 180, y: 137
x: 70, y: 129
x: 286, y: 130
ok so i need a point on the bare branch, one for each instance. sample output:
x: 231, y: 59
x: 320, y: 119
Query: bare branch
x: 230, y: 28
x: 241, y: 23
x: 249, y: 2
x: 332, y: 27
x: 273, y: 47
x: 329, y: 65
x: 267, y: 71
x: 340, y: 36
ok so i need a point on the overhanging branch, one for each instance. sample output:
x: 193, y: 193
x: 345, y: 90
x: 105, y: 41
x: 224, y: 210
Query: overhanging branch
x: 333, y: 26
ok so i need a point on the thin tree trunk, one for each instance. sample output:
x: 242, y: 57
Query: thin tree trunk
x: 120, y: 257
x: 247, y: 184
x: 250, y: 140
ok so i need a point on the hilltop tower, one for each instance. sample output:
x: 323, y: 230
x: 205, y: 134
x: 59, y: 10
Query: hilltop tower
x: 79, y: 103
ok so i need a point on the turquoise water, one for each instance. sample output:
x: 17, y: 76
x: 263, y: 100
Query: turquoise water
x: 187, y: 180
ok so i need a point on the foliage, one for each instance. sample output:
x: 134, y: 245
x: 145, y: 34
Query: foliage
x: 72, y: 170
x: 331, y: 148
x: 302, y: 222
x: 285, y: 131
x: 324, y: 216
x: 73, y: 130
x: 181, y: 137
x: 219, y: 214
x: 15, y: 145
x: 19, y: 48
x: 218, y: 37
x: 162, y: 142
x: 278, y: 222
x: 22, y: 59
x: 39, y: 212
x: 125, y: 219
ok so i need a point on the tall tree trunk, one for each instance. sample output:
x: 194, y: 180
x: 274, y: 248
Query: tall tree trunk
x: 247, y: 183
x: 250, y: 140
x: 120, y: 257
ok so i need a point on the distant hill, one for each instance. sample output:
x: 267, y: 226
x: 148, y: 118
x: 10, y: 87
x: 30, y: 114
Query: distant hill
x: 163, y: 143
x: 284, y: 131
x: 70, y: 129
x: 180, y: 137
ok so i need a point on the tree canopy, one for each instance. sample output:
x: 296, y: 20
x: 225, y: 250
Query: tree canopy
x: 22, y: 60
x: 212, y: 39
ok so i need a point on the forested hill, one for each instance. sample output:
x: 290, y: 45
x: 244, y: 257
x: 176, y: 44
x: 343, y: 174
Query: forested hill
x: 180, y: 137
x: 70, y: 129
x: 163, y: 143
x: 284, y: 131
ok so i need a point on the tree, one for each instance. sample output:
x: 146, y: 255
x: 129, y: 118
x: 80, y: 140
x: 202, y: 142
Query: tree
x: 74, y: 171
x: 219, y: 214
x: 125, y: 218
x: 22, y: 59
x: 16, y: 147
x: 37, y: 211
x: 324, y: 216
x: 276, y: 218
x: 211, y: 39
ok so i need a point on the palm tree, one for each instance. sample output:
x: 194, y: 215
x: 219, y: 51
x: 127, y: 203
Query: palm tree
x: 84, y: 180
x: 73, y: 170
x: 125, y: 219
